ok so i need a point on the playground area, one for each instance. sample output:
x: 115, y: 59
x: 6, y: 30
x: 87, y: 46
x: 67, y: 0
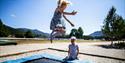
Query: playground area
x: 62, y: 31
x: 88, y: 50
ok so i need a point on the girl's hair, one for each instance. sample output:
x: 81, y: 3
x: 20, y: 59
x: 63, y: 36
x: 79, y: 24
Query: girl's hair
x: 64, y: 3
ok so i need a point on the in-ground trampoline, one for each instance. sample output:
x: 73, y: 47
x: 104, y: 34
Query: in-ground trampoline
x: 45, y: 58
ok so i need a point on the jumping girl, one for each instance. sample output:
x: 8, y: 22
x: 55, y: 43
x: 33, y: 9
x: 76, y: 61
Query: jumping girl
x: 57, y: 23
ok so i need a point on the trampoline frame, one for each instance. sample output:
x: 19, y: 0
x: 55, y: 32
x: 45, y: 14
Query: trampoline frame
x: 47, y: 56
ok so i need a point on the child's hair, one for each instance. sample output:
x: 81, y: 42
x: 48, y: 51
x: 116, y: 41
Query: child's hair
x: 64, y: 3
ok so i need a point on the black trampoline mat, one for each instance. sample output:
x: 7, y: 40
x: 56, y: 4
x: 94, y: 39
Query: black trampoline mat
x: 43, y: 60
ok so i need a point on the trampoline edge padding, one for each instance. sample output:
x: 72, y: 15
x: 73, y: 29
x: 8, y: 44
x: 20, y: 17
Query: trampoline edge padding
x: 44, y: 55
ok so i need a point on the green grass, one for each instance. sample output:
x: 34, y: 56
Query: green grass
x: 2, y: 43
x: 47, y: 41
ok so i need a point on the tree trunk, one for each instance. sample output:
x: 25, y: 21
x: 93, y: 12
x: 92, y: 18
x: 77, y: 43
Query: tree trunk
x: 112, y: 42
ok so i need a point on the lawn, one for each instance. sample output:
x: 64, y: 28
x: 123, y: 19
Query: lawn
x: 29, y: 41
x: 41, y: 41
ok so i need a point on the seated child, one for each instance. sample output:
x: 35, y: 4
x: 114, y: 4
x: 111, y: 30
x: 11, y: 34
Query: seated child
x: 72, y: 51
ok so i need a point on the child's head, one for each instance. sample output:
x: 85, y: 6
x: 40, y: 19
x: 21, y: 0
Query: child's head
x: 73, y: 38
x: 64, y: 4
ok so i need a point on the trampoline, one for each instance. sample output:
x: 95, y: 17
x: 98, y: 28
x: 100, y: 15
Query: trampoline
x: 44, y: 58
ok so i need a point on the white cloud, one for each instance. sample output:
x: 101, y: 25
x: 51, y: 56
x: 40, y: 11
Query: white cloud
x: 13, y: 15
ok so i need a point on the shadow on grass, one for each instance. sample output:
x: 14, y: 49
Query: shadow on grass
x: 120, y: 45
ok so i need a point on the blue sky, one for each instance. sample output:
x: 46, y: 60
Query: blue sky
x: 37, y: 14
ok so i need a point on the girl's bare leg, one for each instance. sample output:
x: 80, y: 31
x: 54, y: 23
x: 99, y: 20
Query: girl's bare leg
x: 51, y: 36
x: 56, y: 33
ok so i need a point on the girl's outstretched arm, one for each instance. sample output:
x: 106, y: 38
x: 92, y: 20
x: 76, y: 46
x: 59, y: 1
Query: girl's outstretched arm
x: 72, y: 13
x: 68, y: 21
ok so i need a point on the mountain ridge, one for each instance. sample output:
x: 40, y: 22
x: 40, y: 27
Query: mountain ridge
x: 96, y: 34
x: 6, y: 30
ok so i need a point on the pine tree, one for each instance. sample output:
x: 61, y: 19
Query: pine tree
x: 114, y: 26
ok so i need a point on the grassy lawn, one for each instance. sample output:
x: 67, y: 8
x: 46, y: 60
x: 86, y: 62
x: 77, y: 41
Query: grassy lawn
x: 41, y: 41
x: 31, y: 41
x: 7, y: 42
x: 57, y: 41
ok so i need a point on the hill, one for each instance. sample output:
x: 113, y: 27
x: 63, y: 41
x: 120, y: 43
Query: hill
x: 6, y: 30
x: 96, y: 34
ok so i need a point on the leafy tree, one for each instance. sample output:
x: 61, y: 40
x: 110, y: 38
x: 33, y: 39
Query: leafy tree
x: 123, y: 37
x: 63, y: 36
x: 73, y: 32
x: 98, y: 37
x: 107, y: 28
x: 1, y: 24
x: 28, y: 34
x: 119, y: 27
x: 77, y: 33
x: 19, y: 34
x: 114, y: 26
x: 3, y: 30
x: 80, y: 32
x: 87, y: 37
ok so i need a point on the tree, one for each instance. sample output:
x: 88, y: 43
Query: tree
x: 85, y: 37
x: 80, y: 32
x: 74, y: 32
x: 28, y: 34
x: 63, y: 36
x: 114, y: 26
x: 119, y: 27
x: 77, y: 33
x: 123, y: 36
x: 19, y: 34
x: 4, y: 32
